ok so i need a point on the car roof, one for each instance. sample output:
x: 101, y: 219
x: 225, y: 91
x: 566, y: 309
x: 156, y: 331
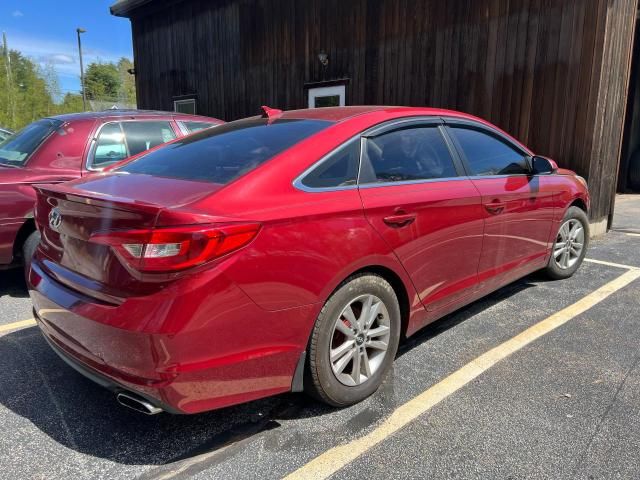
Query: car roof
x: 338, y: 114
x: 125, y: 113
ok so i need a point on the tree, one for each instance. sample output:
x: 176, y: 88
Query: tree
x: 102, y: 81
x: 127, y: 81
x: 29, y: 92
x: 71, y: 103
x: 25, y: 95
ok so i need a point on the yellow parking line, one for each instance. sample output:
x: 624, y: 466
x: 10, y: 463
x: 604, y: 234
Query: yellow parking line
x: 336, y: 458
x: 16, y: 325
x: 611, y: 264
x: 633, y: 234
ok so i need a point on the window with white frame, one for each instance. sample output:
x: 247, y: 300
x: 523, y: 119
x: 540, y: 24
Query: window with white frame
x: 187, y: 105
x: 327, y: 96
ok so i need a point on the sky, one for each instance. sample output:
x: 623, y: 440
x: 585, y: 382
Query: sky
x: 45, y: 31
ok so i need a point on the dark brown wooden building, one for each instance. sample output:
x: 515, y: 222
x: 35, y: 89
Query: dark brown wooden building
x: 554, y: 73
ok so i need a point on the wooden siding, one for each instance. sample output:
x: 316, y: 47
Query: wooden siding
x: 551, y: 72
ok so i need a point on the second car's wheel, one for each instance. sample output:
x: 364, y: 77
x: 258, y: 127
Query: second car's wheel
x: 28, y: 249
x: 354, y: 341
x: 570, y: 246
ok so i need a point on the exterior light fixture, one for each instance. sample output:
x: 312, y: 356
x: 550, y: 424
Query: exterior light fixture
x: 324, y: 58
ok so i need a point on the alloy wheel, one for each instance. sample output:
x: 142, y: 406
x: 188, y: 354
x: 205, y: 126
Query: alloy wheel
x: 569, y: 244
x: 360, y: 340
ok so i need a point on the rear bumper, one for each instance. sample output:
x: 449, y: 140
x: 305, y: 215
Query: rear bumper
x: 98, y: 378
x: 191, y: 360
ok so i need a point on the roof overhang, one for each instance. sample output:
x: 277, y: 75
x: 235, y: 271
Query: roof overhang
x: 124, y: 8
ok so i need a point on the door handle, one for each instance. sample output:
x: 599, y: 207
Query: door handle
x: 495, y: 208
x: 399, y: 220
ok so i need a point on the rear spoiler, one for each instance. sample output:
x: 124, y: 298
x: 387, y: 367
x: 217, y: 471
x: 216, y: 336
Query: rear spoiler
x: 164, y: 216
x: 65, y: 192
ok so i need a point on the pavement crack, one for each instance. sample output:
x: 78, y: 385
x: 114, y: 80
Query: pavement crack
x: 580, y: 463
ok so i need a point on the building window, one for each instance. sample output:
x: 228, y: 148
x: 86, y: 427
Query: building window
x: 185, y: 106
x: 327, y: 96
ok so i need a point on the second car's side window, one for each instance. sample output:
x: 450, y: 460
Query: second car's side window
x: 110, y: 146
x: 142, y: 136
x: 487, y: 155
x: 418, y: 153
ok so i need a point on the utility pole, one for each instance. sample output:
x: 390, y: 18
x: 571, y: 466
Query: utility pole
x: 84, y: 94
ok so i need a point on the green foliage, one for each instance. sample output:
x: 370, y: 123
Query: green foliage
x: 127, y: 81
x: 72, y: 102
x: 25, y: 95
x: 102, y: 80
x: 29, y: 92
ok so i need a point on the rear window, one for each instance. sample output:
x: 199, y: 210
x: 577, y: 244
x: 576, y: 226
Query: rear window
x: 222, y: 154
x: 17, y: 149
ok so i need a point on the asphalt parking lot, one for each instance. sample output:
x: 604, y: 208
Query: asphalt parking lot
x: 561, y: 400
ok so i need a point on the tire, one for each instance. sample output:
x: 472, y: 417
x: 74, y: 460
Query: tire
x: 356, y: 295
x: 28, y: 249
x: 566, y: 259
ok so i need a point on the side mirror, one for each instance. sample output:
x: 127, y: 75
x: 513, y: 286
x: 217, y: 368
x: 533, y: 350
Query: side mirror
x: 543, y: 165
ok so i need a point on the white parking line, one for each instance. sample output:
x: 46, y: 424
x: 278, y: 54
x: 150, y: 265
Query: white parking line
x: 337, y: 457
x: 611, y: 264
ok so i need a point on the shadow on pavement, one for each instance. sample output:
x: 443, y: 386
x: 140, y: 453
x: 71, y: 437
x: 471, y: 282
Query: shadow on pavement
x: 73, y: 411
x: 12, y: 283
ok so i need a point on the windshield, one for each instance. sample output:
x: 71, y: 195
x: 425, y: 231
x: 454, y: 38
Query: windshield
x: 222, y: 154
x: 17, y: 149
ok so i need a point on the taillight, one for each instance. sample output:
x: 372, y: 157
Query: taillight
x: 176, y: 248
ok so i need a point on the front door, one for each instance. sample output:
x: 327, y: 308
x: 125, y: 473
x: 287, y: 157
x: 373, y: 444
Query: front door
x: 518, y: 207
x: 415, y: 198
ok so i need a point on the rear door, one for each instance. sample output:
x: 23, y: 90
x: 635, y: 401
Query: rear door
x: 415, y: 196
x: 517, y: 208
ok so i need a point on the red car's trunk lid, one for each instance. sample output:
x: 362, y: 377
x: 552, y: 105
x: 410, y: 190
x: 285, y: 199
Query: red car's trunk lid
x: 69, y: 214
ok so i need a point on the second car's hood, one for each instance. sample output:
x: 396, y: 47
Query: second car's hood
x: 15, y: 175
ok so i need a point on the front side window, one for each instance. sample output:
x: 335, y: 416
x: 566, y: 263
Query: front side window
x: 17, y: 149
x: 110, y: 146
x: 141, y: 136
x: 222, y: 154
x: 487, y: 155
x: 337, y: 170
x: 418, y: 153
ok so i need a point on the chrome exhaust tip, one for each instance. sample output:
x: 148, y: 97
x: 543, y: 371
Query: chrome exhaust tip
x: 139, y: 404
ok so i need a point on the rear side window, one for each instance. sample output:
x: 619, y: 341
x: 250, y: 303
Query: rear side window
x: 222, y: 154
x: 141, y: 136
x: 418, y: 153
x: 487, y: 155
x: 337, y: 170
x: 193, y: 127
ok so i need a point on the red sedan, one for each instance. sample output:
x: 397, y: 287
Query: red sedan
x: 292, y: 251
x: 66, y: 147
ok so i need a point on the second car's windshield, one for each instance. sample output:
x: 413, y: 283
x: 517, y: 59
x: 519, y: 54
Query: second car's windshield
x: 222, y: 154
x: 17, y: 149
